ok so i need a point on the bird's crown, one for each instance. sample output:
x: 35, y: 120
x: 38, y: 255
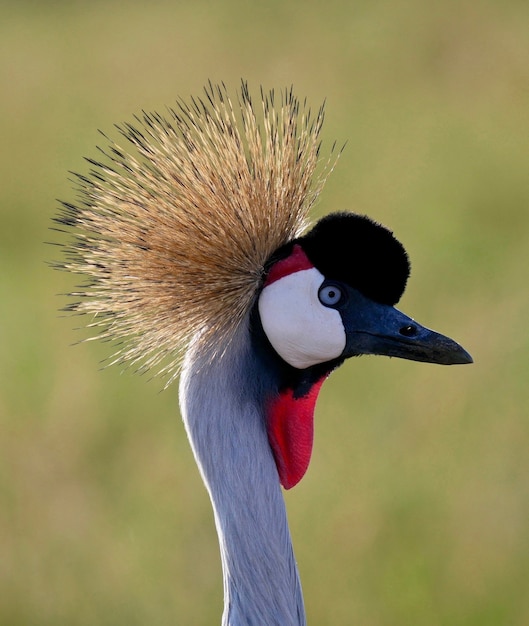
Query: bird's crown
x: 174, y: 227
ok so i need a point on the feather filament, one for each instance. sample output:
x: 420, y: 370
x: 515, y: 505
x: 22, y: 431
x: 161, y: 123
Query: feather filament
x: 173, y: 228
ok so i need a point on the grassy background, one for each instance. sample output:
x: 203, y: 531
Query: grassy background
x: 416, y: 507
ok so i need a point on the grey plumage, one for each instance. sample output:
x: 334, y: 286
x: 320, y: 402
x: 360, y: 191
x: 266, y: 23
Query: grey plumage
x: 222, y: 404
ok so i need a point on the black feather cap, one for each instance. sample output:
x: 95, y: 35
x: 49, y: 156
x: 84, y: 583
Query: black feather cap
x: 356, y: 250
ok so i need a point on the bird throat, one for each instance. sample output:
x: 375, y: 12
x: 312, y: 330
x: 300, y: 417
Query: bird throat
x: 291, y: 431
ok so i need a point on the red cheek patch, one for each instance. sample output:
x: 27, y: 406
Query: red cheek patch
x: 291, y: 433
x: 295, y: 262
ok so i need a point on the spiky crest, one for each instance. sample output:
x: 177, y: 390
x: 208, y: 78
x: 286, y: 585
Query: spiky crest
x: 173, y: 230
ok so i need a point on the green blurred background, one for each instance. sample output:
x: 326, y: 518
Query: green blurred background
x: 415, y: 509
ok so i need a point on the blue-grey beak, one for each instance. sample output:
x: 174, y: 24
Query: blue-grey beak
x: 373, y: 328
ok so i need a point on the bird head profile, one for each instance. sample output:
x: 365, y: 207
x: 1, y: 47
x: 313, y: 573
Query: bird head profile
x: 200, y: 263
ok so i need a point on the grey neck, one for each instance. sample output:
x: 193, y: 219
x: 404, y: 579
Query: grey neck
x: 222, y: 403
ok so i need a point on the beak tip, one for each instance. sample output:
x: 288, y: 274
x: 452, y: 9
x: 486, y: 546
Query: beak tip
x: 459, y: 356
x: 466, y: 358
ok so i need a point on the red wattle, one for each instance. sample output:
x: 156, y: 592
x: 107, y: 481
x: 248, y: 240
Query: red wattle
x: 291, y: 433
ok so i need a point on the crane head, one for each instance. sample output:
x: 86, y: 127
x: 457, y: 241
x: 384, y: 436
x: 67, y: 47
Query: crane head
x: 327, y: 296
x: 331, y: 294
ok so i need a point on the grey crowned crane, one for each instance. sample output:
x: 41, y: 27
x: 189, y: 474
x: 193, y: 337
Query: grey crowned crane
x: 200, y: 265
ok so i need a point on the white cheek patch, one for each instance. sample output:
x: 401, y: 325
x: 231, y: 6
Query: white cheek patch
x: 301, y: 330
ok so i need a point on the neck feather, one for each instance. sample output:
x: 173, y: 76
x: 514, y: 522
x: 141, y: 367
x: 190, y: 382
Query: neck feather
x: 222, y: 403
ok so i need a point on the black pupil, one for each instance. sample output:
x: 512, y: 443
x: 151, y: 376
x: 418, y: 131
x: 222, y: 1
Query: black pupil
x: 408, y: 331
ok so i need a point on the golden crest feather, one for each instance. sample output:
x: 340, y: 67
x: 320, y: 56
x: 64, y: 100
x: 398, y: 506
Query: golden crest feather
x: 173, y: 230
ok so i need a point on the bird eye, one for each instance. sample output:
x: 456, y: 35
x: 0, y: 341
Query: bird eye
x: 330, y: 295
